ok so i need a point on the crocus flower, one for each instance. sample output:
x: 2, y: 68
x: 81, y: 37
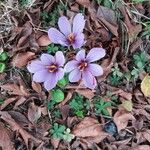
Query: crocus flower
x: 68, y: 34
x: 82, y: 67
x: 48, y: 69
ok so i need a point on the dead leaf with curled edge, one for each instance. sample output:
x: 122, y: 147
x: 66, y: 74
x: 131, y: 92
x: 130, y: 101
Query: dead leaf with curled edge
x: 21, y: 59
x: 121, y: 119
x: 5, y: 141
x: 44, y: 40
x: 89, y: 127
x: 15, y: 89
x: 16, y: 127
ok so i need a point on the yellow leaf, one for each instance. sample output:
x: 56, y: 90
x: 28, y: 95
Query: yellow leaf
x: 145, y: 85
x: 127, y: 105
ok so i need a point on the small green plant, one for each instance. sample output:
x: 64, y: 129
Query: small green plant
x: 26, y: 3
x: 79, y: 105
x: 139, y: 1
x: 50, y: 18
x: 105, y: 3
x: 57, y: 95
x: 3, y: 59
x: 59, y: 131
x: 1, y: 101
x: 146, y: 32
x: 114, y: 98
x: 53, y: 48
x: 101, y: 107
x: 139, y: 59
x: 63, y: 82
x: 116, y: 75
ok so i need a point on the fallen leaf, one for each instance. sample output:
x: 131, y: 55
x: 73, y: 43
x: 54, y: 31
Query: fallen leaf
x: 88, y: 127
x: 44, y: 40
x: 146, y: 135
x: 16, y: 127
x: 21, y: 59
x: 145, y: 86
x: 85, y: 3
x: 121, y: 119
x: 86, y: 93
x: 141, y: 147
x: 36, y: 87
x: 5, y: 141
x: 15, y: 89
x: 26, y: 31
x: 34, y: 113
x: 7, y: 102
x: 127, y: 105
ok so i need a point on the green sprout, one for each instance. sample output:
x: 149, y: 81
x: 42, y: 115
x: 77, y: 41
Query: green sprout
x: 79, y: 105
x: 60, y: 132
x: 101, y: 107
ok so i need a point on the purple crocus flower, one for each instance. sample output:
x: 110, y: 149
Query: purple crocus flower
x: 82, y: 67
x: 48, y: 69
x: 69, y: 35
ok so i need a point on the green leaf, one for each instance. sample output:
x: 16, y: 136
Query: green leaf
x: 2, y: 67
x: 3, y: 56
x: 62, y: 82
x: 1, y: 101
x: 57, y: 95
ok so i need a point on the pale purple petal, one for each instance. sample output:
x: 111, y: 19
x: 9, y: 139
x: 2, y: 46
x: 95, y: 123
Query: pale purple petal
x: 57, y: 37
x: 95, y: 69
x: 40, y: 76
x: 78, y: 23
x: 80, y: 55
x: 89, y: 80
x: 64, y: 25
x: 51, y: 81
x: 95, y: 54
x: 71, y: 65
x: 60, y: 73
x: 79, y: 41
x: 59, y: 58
x: 35, y: 66
x: 75, y: 75
x: 47, y: 59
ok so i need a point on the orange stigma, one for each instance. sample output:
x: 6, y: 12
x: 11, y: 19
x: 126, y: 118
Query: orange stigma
x: 82, y: 65
x: 71, y: 38
x: 52, y: 68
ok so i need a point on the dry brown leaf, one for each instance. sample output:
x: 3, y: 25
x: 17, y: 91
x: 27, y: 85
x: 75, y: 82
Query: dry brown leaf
x: 36, y: 87
x: 88, y: 127
x: 34, y: 113
x: 14, y: 89
x: 5, y: 141
x: 108, y: 14
x: 26, y: 31
x: 146, y: 135
x: 121, y: 119
x: 85, y: 92
x: 20, y: 101
x: 16, y: 127
x: 126, y: 95
x: 21, y: 59
x: 141, y: 147
x: 44, y: 40
x: 7, y: 102
x: 133, y: 30
x: 85, y: 3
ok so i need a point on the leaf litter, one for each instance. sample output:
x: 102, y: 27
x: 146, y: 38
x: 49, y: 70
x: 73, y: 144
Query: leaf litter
x: 115, y: 114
